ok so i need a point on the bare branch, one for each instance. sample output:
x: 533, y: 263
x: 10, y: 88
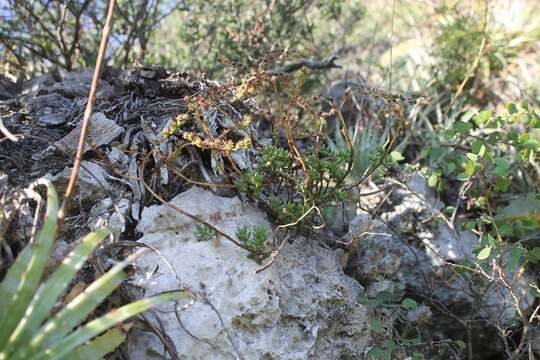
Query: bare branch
x: 327, y: 63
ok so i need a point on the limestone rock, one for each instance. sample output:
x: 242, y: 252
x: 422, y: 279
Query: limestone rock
x: 37, y: 85
x: 74, y: 84
x: 102, y: 131
x: 9, y: 87
x: 109, y: 213
x: 302, y: 307
x: 421, y: 259
x: 92, y: 185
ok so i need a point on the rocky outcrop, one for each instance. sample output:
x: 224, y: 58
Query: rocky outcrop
x: 404, y: 250
x: 302, y: 307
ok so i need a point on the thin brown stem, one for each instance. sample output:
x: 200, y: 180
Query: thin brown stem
x: 87, y: 113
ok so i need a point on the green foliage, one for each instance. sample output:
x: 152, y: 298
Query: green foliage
x: 36, y: 36
x: 484, y: 147
x: 236, y: 32
x: 502, y: 153
x: 29, y: 331
x: 254, y: 241
x: 493, y: 159
x: 468, y: 45
x: 391, y: 307
x: 208, y: 35
x: 204, y: 233
x: 471, y: 55
x: 368, y: 150
x: 278, y: 180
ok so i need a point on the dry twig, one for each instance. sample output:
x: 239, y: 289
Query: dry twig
x: 326, y: 63
x: 87, y: 113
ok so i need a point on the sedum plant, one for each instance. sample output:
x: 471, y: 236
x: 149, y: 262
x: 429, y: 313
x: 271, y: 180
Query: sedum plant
x: 30, y: 331
x: 254, y: 241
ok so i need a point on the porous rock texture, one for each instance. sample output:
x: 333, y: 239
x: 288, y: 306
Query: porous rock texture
x: 301, y: 307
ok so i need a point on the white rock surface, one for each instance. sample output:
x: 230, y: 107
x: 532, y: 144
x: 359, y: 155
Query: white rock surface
x: 110, y: 214
x: 302, y: 307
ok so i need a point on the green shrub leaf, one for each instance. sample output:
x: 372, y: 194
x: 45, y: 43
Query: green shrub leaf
x: 484, y: 253
x: 99, y: 347
x: 409, y: 303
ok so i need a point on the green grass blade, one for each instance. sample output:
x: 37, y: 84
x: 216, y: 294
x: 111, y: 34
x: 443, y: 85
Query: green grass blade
x: 19, y: 286
x: 97, y: 326
x: 50, y: 291
x: 77, y: 310
x: 99, y: 347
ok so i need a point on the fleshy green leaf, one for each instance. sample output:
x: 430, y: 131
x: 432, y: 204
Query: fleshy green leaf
x: 376, y: 325
x: 396, y: 156
x: 502, y: 166
x: 501, y: 184
x: 511, y: 108
x: 472, y: 157
x: 97, y: 326
x: 22, y: 279
x: 99, y: 347
x: 516, y: 253
x: 433, y: 179
x: 78, y: 309
x: 470, y: 166
x: 52, y: 289
x: 409, y: 303
x: 483, y: 118
x: 462, y: 127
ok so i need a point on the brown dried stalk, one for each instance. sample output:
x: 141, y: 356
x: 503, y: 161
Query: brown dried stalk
x: 87, y: 113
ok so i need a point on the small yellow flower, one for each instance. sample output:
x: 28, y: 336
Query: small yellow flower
x: 181, y: 119
x: 247, y: 88
x: 188, y: 136
x: 247, y: 121
x: 228, y: 146
x: 243, y: 144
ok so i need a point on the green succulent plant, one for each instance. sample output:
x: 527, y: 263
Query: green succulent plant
x: 31, y: 331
